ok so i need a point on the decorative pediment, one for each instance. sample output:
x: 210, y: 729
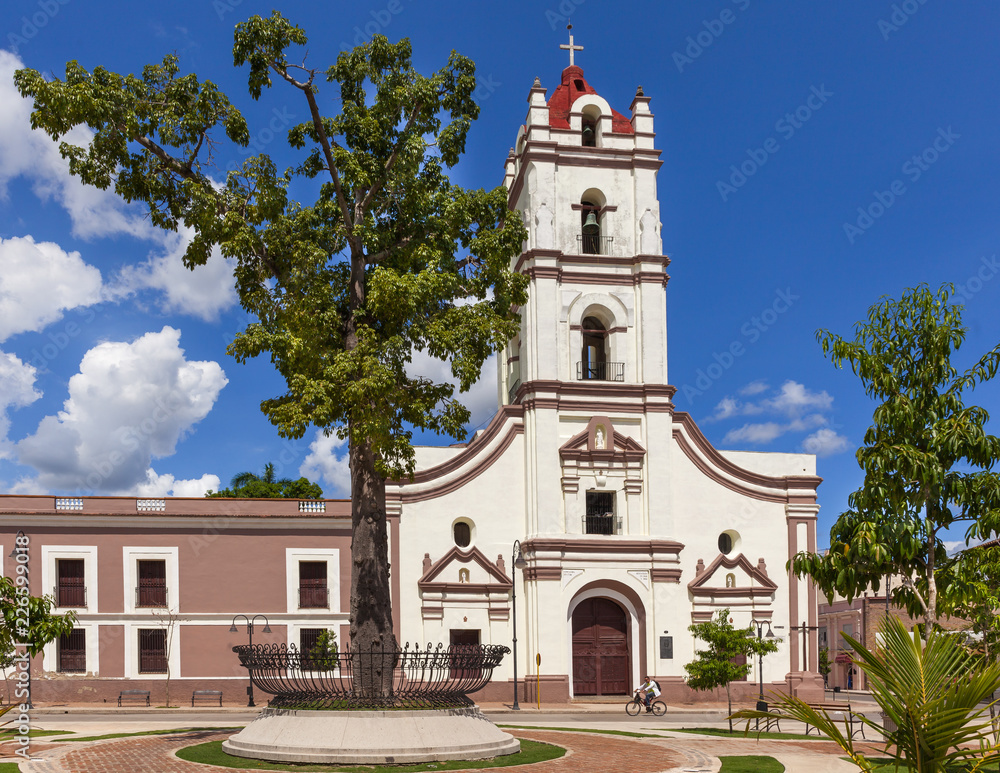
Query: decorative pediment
x: 464, y: 572
x: 732, y: 577
x: 600, y: 442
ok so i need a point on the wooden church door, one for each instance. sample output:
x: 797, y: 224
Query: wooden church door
x: 600, y: 648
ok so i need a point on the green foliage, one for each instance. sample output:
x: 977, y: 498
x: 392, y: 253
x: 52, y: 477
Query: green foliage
x: 927, y: 458
x: 324, y: 652
x: 825, y: 666
x: 750, y: 764
x: 43, y: 626
x: 249, y: 485
x: 935, y: 692
x: 390, y: 257
x: 713, y: 666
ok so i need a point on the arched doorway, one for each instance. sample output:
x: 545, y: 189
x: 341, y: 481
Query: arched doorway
x: 600, y: 648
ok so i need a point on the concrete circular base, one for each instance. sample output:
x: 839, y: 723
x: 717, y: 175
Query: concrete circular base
x: 371, y: 737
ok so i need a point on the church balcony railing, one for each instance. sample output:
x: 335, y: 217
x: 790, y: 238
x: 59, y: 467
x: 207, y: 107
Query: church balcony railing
x: 376, y: 678
x: 606, y: 524
x: 600, y: 371
x: 594, y: 244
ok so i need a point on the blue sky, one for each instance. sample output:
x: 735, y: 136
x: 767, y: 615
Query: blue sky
x: 777, y: 122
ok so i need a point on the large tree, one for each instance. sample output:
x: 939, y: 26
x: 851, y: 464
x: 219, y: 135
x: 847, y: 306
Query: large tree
x: 388, y: 259
x: 927, y: 460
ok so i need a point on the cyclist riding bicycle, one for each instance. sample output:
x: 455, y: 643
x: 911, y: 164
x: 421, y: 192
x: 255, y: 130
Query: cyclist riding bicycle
x: 650, y: 690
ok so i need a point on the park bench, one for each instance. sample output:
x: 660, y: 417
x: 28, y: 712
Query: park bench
x: 133, y: 695
x: 833, y: 709
x: 209, y: 694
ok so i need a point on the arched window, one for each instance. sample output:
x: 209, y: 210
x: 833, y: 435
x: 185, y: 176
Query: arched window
x: 594, y: 355
x: 589, y: 132
x: 590, y: 228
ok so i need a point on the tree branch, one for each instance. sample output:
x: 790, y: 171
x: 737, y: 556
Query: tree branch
x: 377, y: 187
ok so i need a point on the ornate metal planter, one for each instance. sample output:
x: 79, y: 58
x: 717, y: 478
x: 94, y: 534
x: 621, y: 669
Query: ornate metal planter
x: 431, y: 678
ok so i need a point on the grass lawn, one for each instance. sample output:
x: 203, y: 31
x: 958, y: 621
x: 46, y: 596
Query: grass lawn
x: 583, y: 730
x: 9, y: 767
x: 750, y: 765
x: 146, y: 732
x: 212, y: 754
x: 739, y: 734
x: 7, y: 735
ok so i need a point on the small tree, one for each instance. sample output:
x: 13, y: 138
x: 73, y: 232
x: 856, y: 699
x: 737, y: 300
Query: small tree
x: 325, y: 652
x: 715, y: 666
x: 825, y: 667
x: 168, y: 620
x: 42, y: 626
x: 927, y: 458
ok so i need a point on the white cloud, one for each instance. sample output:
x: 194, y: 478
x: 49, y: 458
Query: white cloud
x: 168, y: 486
x: 755, y: 433
x: 204, y: 292
x: 328, y: 464
x: 825, y: 442
x: 129, y: 403
x: 17, y: 389
x: 794, y: 398
x: 754, y: 388
x: 30, y: 153
x: 481, y: 399
x: 39, y: 281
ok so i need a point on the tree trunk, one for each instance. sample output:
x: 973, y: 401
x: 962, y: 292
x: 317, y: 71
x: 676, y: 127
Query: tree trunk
x: 373, y: 644
x: 930, y: 613
x: 729, y: 697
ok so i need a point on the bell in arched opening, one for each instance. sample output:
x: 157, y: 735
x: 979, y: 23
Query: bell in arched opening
x: 590, y: 231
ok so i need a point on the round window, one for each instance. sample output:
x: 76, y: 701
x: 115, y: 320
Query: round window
x: 725, y: 543
x: 462, y: 533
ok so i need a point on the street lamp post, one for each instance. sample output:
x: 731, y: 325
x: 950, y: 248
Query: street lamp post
x: 517, y: 562
x: 27, y: 647
x: 760, y: 663
x: 266, y: 629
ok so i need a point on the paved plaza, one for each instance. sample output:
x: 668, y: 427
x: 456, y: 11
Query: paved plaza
x: 590, y: 752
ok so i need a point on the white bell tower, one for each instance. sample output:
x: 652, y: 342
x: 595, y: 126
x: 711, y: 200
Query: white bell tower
x: 593, y: 339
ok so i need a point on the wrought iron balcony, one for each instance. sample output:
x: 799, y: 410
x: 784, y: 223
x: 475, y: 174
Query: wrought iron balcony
x: 440, y: 677
x: 594, y: 244
x: 600, y: 371
x: 151, y: 596
x: 314, y: 597
x: 602, y: 524
x: 67, y: 596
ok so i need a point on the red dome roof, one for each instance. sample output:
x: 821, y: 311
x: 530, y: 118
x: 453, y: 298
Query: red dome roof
x: 573, y: 85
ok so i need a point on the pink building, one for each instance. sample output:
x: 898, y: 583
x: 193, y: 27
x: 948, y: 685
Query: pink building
x: 156, y: 584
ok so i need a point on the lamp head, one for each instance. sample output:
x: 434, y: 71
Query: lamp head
x: 267, y: 628
x: 233, y: 628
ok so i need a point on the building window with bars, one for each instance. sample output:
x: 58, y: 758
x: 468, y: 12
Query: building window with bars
x: 70, y: 588
x: 72, y: 652
x: 314, y: 593
x: 307, y: 643
x: 600, y: 517
x: 152, y: 588
x: 152, y: 651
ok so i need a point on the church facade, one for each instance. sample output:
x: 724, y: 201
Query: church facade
x: 590, y: 517
x: 631, y: 526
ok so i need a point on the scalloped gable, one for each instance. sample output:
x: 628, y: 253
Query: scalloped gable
x: 584, y: 445
x: 499, y: 582
x: 762, y: 585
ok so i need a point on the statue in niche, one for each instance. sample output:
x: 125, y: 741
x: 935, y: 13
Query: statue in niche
x: 649, y: 241
x: 544, y: 232
x: 463, y: 575
x: 599, y: 440
x: 730, y: 580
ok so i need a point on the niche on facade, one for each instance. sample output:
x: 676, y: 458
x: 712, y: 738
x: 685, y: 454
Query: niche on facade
x: 463, y: 577
x: 731, y: 578
x: 601, y: 453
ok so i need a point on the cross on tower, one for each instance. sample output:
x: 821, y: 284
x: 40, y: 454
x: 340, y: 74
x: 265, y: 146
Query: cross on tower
x: 571, y: 48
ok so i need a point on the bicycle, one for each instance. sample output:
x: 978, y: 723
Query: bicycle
x: 635, y: 706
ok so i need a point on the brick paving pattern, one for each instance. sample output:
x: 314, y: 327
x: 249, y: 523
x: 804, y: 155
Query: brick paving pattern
x: 587, y: 753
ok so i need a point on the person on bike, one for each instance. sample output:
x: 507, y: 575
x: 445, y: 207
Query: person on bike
x: 650, y: 690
